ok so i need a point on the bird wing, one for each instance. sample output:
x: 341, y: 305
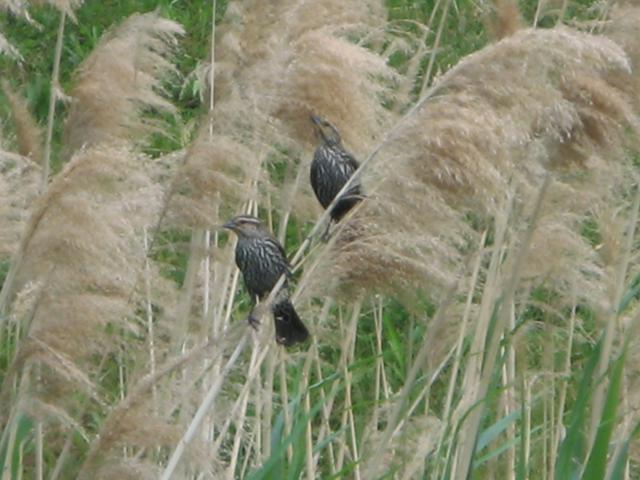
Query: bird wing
x: 350, y: 160
x: 282, y: 256
x: 314, y: 174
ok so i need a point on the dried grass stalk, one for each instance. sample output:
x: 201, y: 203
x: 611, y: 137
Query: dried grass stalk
x: 8, y: 49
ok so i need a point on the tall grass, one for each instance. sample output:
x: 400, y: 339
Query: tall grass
x: 474, y: 317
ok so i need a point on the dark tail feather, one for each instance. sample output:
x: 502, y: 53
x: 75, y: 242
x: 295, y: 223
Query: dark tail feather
x: 289, y: 327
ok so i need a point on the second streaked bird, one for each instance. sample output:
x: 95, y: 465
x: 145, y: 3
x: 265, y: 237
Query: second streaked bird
x: 262, y: 261
x: 331, y: 168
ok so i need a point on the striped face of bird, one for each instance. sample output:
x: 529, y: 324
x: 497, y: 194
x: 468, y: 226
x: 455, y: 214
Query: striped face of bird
x: 245, y: 226
x: 325, y: 131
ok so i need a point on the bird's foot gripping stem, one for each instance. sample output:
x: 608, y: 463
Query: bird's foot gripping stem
x: 253, y: 320
x: 326, y: 236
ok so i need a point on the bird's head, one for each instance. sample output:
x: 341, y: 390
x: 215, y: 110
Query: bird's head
x: 245, y: 226
x: 325, y: 131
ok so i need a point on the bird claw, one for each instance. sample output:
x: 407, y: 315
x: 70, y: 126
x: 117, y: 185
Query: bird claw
x: 327, y: 234
x: 253, y: 322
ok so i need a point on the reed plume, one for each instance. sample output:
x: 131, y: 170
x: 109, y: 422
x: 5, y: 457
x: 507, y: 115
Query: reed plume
x: 19, y: 7
x: 470, y: 145
x: 505, y: 19
x: 18, y: 190
x: 216, y: 171
x: 79, y: 248
x: 18, y: 172
x: 74, y: 282
x: 28, y: 132
x: 119, y: 81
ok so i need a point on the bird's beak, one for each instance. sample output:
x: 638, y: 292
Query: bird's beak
x: 230, y: 225
x: 316, y: 120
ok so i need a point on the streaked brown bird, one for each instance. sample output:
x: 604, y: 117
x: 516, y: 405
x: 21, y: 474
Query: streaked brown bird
x: 262, y: 261
x: 331, y: 168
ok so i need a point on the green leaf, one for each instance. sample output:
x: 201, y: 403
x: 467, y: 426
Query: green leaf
x: 630, y: 294
x: 569, y: 453
x: 24, y: 431
x: 522, y: 468
x: 620, y: 461
x: 502, y: 448
x: 597, y: 463
x: 491, y: 433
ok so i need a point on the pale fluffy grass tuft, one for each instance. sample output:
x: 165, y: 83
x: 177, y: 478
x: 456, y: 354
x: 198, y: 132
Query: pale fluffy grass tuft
x: 330, y: 75
x: 119, y: 81
x: 505, y: 19
x: 343, y: 82
x: 215, y: 171
x: 66, y: 6
x: 82, y: 246
x: 19, y: 180
x: 277, y: 63
x: 28, y: 132
x: 293, y: 58
x: 539, y: 101
x: 19, y: 7
x: 623, y: 29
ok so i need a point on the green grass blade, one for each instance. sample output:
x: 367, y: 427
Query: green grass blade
x: 630, y: 294
x: 597, y: 463
x: 569, y: 453
x: 502, y: 448
x: 491, y: 433
x: 522, y: 468
x: 24, y: 432
x: 620, y: 461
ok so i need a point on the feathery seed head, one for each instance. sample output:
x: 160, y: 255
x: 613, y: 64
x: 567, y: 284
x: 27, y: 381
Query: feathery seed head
x: 28, y: 133
x: 506, y: 19
x: 120, y: 81
x: 538, y: 101
x: 82, y: 245
x: 217, y: 170
x: 19, y: 183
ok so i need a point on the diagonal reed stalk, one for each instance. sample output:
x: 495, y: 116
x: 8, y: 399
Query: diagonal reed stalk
x: 436, y: 46
x: 196, y: 422
x: 53, y: 98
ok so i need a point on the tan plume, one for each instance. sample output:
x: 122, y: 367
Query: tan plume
x: 119, y: 81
